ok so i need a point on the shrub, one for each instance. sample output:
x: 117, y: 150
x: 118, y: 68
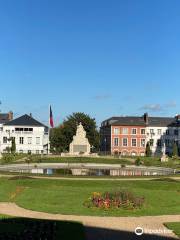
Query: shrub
x: 175, y: 150
x: 138, y: 162
x: 148, y: 150
x: 7, y: 158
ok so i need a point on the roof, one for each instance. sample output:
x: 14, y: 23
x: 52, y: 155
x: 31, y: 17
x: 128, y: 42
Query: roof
x: 125, y: 121
x: 4, y: 118
x: 25, y: 120
x: 161, y: 121
x: 139, y: 121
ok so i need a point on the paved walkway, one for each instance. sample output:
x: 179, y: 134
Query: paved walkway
x: 102, y: 228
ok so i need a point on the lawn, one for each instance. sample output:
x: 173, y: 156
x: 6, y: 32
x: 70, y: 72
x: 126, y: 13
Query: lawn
x: 146, y: 161
x: 68, y: 196
x: 175, y: 227
x: 24, y: 228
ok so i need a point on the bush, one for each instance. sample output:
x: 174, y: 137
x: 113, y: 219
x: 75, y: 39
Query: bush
x: 138, y: 162
x: 175, y: 150
x: 148, y: 150
x: 8, y: 158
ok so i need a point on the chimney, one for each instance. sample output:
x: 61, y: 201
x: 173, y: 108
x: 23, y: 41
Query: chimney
x: 30, y: 114
x: 146, y: 118
x: 10, y: 115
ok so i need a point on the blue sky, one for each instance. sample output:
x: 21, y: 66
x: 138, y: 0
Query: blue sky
x: 105, y: 58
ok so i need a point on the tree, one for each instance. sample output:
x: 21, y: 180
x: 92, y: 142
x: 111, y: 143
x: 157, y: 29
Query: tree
x: 148, y: 150
x: 62, y: 136
x: 175, y: 150
x: 13, y: 145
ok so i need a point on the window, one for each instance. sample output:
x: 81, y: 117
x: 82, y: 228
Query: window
x: 125, y: 131
x: 151, y: 131
x: 176, y: 132
x: 134, y: 131
x: 18, y: 129
x: 167, y: 132
x: 38, y: 140
x: 116, y: 142
x: 143, y: 131
x: 125, y: 142
x: 167, y: 142
x: 5, y: 139
x: 143, y: 142
x: 159, y: 131
x: 37, y: 151
x: 151, y: 142
x: 159, y: 143
x: 134, y: 142
x: 24, y: 129
x: 29, y: 140
x: 21, y: 140
x: 116, y: 131
x: 20, y: 151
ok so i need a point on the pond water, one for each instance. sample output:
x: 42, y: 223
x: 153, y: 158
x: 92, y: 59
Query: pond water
x: 105, y: 172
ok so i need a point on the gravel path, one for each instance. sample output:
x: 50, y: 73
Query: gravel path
x: 103, y: 228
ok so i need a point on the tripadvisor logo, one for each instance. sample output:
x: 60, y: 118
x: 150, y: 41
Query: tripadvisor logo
x: 139, y: 231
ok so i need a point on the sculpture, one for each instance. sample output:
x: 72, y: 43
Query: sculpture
x: 80, y: 143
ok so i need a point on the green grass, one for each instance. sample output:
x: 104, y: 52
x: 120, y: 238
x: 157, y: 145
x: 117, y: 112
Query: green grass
x: 64, y: 230
x: 68, y: 196
x: 175, y: 227
x: 147, y: 161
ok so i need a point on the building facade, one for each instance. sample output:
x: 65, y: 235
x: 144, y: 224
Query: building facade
x: 130, y: 135
x: 30, y: 135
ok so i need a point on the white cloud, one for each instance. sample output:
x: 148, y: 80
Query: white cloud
x: 157, y: 107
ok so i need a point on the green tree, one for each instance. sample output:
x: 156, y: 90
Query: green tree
x: 62, y: 136
x: 57, y: 140
x: 13, y: 145
x: 175, y: 150
x: 148, y: 150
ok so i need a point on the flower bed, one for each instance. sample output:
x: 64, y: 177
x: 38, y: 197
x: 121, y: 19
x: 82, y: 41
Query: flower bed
x: 108, y: 200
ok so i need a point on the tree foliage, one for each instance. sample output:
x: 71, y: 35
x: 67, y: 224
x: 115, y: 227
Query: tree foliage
x: 62, y: 136
x: 148, y: 150
x: 13, y: 145
x: 175, y: 150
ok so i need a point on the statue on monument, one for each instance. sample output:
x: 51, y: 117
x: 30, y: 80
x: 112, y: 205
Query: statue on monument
x: 164, y: 158
x: 80, y: 143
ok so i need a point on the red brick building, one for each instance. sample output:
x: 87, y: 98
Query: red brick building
x: 124, y: 135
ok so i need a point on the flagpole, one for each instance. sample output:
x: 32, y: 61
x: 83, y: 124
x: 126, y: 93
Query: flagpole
x: 48, y: 131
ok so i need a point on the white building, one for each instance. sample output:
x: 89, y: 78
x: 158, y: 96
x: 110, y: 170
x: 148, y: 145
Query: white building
x: 30, y: 135
x: 163, y: 132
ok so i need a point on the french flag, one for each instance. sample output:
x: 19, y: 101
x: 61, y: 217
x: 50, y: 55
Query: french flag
x: 51, y: 121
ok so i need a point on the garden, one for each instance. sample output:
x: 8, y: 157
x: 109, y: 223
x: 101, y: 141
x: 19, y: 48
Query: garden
x: 157, y: 197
